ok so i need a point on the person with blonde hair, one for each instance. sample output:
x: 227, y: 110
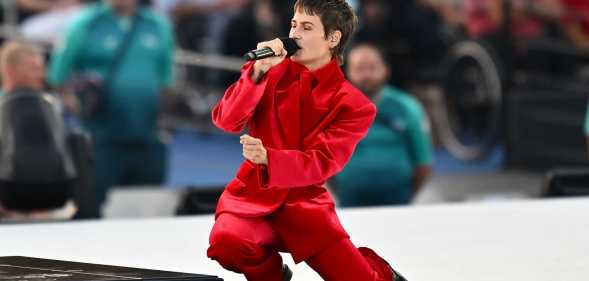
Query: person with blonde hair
x: 21, y: 65
x: 37, y: 173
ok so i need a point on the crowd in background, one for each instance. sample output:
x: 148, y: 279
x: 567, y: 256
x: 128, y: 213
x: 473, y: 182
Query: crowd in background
x: 415, y: 34
x: 397, y: 44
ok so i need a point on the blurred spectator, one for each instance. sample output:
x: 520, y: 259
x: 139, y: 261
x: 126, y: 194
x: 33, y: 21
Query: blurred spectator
x: 576, y: 21
x: 377, y: 27
x: 262, y: 20
x: 259, y: 22
x: 36, y: 171
x: 185, y: 8
x: 394, y: 160
x: 129, y: 50
x: 482, y: 17
x: 200, y: 23
x: 22, y: 66
x: 43, y: 20
x: 449, y: 11
x: 528, y: 17
x: 375, y: 22
x: 200, y: 26
x: 28, y: 8
x: 409, y: 33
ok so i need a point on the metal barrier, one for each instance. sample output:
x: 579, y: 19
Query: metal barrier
x: 183, y: 57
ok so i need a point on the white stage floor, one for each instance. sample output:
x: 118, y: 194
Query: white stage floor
x: 539, y: 240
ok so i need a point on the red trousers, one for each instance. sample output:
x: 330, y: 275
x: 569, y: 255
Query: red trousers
x: 251, y: 245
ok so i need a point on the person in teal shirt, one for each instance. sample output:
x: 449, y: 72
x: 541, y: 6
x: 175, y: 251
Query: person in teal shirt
x: 394, y: 159
x: 126, y: 147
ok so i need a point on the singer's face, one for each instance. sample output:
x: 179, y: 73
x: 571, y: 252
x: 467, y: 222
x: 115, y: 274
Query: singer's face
x: 309, y: 34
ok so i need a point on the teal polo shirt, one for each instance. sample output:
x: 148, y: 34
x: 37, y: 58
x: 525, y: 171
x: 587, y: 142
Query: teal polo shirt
x: 381, y: 168
x: 89, y: 46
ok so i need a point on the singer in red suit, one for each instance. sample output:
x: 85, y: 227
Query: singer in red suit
x: 304, y: 121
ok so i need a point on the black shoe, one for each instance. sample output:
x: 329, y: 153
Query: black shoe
x: 286, y: 273
x: 370, y: 254
x: 397, y: 276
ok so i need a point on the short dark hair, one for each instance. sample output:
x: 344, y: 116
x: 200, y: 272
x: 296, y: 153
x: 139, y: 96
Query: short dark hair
x: 380, y: 50
x: 334, y: 15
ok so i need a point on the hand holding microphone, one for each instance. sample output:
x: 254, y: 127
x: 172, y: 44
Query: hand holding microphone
x: 265, y: 50
x: 270, y: 53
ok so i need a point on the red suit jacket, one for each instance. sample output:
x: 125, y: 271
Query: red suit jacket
x: 309, y: 123
x: 309, y: 134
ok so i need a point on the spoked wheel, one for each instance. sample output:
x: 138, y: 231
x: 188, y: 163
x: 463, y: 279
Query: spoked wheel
x: 470, y: 113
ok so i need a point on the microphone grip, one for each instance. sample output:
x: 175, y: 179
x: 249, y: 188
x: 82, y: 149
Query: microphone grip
x: 259, y: 54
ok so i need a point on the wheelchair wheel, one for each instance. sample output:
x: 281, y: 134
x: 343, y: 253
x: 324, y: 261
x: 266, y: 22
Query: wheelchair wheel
x: 470, y: 112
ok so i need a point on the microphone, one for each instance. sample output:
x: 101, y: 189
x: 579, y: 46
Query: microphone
x: 290, y: 45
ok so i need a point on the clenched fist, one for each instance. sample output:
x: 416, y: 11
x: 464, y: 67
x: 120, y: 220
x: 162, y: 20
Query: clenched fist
x: 253, y: 150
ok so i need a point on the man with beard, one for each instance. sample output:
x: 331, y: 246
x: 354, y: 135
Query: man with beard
x: 391, y: 164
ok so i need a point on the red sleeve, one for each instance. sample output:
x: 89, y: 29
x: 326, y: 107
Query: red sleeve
x: 324, y: 156
x: 237, y: 106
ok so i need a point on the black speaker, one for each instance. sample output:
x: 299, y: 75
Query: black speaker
x: 567, y: 182
x: 199, y: 200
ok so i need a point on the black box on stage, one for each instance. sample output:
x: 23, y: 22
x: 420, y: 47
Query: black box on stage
x: 34, y: 269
